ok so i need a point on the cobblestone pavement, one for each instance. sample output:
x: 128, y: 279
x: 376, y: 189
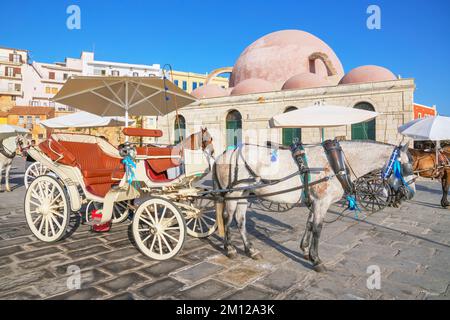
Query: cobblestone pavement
x: 410, y: 245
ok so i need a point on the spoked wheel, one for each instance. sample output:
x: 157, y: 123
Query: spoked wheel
x: 47, y: 209
x: 274, y: 206
x: 121, y: 210
x: 373, y: 193
x: 200, y: 218
x: 159, y: 229
x: 35, y: 170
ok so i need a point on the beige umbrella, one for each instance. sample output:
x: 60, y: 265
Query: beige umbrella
x: 116, y: 96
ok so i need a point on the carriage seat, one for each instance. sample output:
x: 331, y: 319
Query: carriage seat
x: 98, y: 168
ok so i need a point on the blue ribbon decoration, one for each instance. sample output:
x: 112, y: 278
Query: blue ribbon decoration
x: 386, y: 173
x: 274, y: 155
x: 130, y: 165
x: 352, y: 205
x: 397, y: 169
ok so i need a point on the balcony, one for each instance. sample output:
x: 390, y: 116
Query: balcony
x: 5, y: 60
x: 11, y: 91
x: 11, y: 76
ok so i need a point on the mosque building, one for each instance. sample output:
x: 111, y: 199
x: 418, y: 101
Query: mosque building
x: 284, y: 71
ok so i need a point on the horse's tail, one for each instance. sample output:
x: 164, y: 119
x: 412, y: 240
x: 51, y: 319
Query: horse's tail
x: 219, y: 202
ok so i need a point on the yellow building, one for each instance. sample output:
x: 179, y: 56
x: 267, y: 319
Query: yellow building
x: 189, y: 81
x: 29, y: 118
x: 3, y: 117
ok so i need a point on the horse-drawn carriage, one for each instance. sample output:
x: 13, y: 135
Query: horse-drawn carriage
x: 85, y: 169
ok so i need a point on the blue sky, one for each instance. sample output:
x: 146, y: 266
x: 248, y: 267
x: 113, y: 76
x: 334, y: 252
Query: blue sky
x: 201, y: 35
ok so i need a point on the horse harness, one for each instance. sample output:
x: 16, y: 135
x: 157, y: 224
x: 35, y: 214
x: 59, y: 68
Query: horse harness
x: 7, y: 153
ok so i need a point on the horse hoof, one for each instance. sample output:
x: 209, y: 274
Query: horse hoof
x: 231, y: 255
x: 319, y: 268
x: 256, y: 256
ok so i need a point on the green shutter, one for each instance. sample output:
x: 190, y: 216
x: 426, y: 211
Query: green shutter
x: 234, y: 133
x: 291, y: 134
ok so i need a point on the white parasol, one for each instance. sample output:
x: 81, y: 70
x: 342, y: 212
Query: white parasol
x: 321, y: 116
x: 435, y: 128
x: 7, y: 130
x: 83, y: 119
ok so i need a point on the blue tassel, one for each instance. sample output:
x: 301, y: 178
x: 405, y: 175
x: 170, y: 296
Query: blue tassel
x: 397, y: 169
x: 130, y: 165
x: 352, y: 205
x: 389, y: 168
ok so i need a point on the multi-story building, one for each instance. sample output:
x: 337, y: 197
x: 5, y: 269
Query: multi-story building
x: 30, y: 118
x: 422, y: 111
x: 189, y: 81
x: 12, y: 62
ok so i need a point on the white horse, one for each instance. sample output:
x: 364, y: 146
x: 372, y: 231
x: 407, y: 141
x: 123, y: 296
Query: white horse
x: 250, y: 165
x: 8, y: 147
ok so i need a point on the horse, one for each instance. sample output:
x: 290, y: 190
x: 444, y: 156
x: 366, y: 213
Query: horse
x: 425, y: 165
x: 248, y: 165
x: 8, y: 147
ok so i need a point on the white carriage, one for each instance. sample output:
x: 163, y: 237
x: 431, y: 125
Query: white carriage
x: 155, y: 182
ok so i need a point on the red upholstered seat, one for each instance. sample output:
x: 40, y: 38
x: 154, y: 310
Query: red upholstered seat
x: 98, y: 168
x: 160, y: 165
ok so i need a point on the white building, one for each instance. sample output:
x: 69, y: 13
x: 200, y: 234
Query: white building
x: 12, y: 63
x: 41, y: 81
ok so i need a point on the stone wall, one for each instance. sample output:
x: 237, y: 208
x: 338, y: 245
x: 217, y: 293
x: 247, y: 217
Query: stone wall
x: 393, y: 100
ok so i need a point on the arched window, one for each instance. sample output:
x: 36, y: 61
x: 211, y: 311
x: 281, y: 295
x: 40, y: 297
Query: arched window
x: 234, y: 128
x: 180, y: 129
x: 364, y: 130
x: 291, y: 135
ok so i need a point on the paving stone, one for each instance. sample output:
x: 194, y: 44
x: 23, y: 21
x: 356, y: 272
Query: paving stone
x: 45, y: 261
x: 97, y: 250
x: 81, y: 244
x: 160, y: 288
x: 121, y: 243
x: 81, y: 294
x: 13, y: 242
x: 210, y: 289
x: 281, y: 279
x: 251, y: 293
x: 241, y: 275
x: 123, y: 296
x: 24, y: 279
x: 82, y: 264
x: 121, y: 266
x: 422, y: 281
x: 163, y: 267
x: 10, y: 251
x: 124, y: 282
x: 38, y: 253
x: 199, y: 271
x: 199, y: 254
x: 120, y: 254
x: 26, y: 294
x: 5, y: 260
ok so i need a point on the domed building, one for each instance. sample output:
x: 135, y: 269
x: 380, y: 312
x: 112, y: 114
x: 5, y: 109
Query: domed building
x: 287, y: 70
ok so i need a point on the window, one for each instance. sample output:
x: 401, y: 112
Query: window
x: 175, y: 82
x: 54, y: 90
x: 419, y: 115
x: 20, y: 119
x: 234, y: 129
x: 13, y: 98
x: 34, y: 103
x: 200, y: 84
x: 51, y: 75
x: 40, y: 136
x: 184, y: 85
x: 194, y: 85
x: 135, y: 74
x: 48, y: 90
x: 16, y: 58
x: 180, y: 129
x: 17, y: 87
x: 291, y: 135
x: 65, y: 76
x: 115, y: 73
x: 9, y: 72
x: 364, y: 130
x: 37, y: 119
x: 29, y: 123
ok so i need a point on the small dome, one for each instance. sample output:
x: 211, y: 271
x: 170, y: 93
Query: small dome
x: 305, y: 81
x: 209, y: 91
x: 252, y: 86
x: 367, y: 74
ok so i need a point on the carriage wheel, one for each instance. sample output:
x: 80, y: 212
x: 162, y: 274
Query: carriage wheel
x: 203, y: 223
x: 47, y: 209
x: 274, y: 206
x: 121, y: 210
x: 159, y: 229
x: 35, y: 170
x: 373, y: 194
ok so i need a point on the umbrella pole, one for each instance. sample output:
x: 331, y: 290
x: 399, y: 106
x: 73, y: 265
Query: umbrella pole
x: 437, y: 147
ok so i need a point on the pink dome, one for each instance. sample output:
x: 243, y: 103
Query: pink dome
x: 305, y: 81
x: 367, y: 74
x: 252, y: 86
x: 280, y: 55
x: 209, y: 91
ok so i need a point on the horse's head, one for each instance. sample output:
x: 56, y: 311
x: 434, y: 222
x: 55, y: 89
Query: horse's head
x: 405, y: 185
x: 207, y: 140
x: 22, y: 143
